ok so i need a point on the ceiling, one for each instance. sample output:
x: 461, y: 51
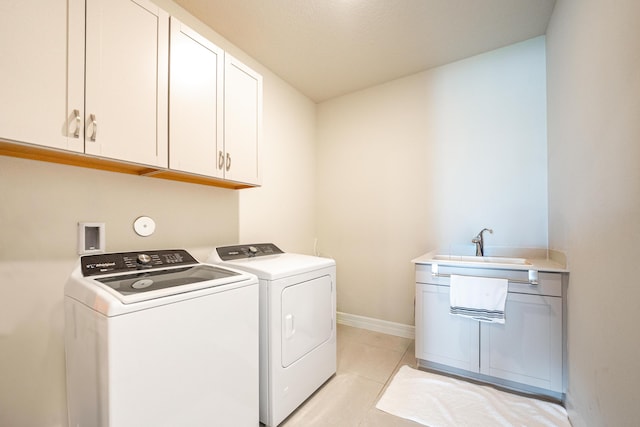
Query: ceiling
x: 327, y: 48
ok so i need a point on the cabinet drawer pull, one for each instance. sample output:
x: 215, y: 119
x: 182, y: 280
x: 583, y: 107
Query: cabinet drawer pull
x: 94, y: 126
x: 228, y: 162
x: 76, y: 115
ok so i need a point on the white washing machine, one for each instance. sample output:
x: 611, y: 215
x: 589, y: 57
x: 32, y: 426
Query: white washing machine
x: 297, y: 323
x: 159, y: 339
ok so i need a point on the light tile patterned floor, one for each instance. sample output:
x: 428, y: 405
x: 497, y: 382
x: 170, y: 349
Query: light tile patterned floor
x: 367, y: 361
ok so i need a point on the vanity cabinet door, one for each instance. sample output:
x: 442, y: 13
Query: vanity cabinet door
x: 195, y: 102
x: 42, y: 66
x: 443, y: 338
x: 126, y: 95
x: 527, y: 348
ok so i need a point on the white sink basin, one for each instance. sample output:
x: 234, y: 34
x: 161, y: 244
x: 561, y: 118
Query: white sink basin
x: 464, y: 259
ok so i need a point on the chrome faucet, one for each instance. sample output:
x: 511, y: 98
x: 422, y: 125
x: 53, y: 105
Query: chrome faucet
x: 479, y: 241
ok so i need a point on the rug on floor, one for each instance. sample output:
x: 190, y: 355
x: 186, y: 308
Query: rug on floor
x: 440, y: 401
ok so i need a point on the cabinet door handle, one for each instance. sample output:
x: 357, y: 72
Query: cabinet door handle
x: 228, y: 162
x: 76, y: 115
x: 94, y: 126
x: 220, y: 159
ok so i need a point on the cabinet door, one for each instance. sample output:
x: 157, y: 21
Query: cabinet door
x: 126, y: 81
x: 441, y: 337
x: 195, y: 102
x: 527, y: 348
x: 242, y: 122
x: 41, y: 72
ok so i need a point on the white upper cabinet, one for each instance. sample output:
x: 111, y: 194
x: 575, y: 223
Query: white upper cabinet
x: 215, y: 110
x: 242, y: 122
x: 126, y: 94
x: 86, y: 82
x: 41, y: 74
x: 47, y: 80
x: 195, y: 102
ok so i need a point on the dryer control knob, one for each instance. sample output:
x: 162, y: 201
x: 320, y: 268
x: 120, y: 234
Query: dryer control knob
x: 144, y: 259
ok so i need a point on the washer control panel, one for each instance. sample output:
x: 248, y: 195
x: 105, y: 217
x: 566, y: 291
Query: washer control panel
x: 132, y: 261
x: 228, y: 253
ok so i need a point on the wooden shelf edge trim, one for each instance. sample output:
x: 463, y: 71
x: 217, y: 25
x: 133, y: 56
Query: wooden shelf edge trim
x: 52, y: 155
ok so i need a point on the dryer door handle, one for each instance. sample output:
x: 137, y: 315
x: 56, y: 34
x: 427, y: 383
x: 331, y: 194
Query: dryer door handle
x: 289, y: 326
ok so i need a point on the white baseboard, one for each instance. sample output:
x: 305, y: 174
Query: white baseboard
x: 377, y: 325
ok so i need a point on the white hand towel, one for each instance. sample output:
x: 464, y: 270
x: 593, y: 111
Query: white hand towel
x: 479, y: 298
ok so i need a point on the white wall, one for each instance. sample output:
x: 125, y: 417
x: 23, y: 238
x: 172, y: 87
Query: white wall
x: 594, y: 200
x: 282, y: 210
x: 425, y: 162
x: 41, y: 204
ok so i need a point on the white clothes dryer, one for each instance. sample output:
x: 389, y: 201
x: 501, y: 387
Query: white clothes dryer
x: 159, y: 339
x: 297, y: 323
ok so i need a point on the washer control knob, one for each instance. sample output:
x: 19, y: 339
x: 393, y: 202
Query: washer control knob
x: 144, y: 259
x: 253, y: 250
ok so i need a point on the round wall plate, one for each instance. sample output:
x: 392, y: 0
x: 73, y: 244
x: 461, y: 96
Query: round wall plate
x: 144, y: 226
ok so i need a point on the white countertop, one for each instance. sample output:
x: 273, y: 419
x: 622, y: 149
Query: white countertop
x: 554, y: 263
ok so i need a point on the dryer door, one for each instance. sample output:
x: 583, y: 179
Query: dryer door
x: 307, y: 317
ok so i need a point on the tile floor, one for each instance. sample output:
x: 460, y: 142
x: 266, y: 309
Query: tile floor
x: 367, y: 361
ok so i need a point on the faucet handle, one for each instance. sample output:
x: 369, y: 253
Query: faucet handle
x: 479, y: 235
x: 479, y: 241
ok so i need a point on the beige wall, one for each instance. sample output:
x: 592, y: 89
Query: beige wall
x: 594, y: 200
x: 282, y: 211
x: 425, y: 162
x: 41, y: 204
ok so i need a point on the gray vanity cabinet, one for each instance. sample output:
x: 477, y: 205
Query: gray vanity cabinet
x: 525, y: 353
x: 443, y: 339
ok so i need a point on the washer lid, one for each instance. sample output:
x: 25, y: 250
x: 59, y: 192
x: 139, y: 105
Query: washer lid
x: 155, y: 280
x: 118, y: 283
